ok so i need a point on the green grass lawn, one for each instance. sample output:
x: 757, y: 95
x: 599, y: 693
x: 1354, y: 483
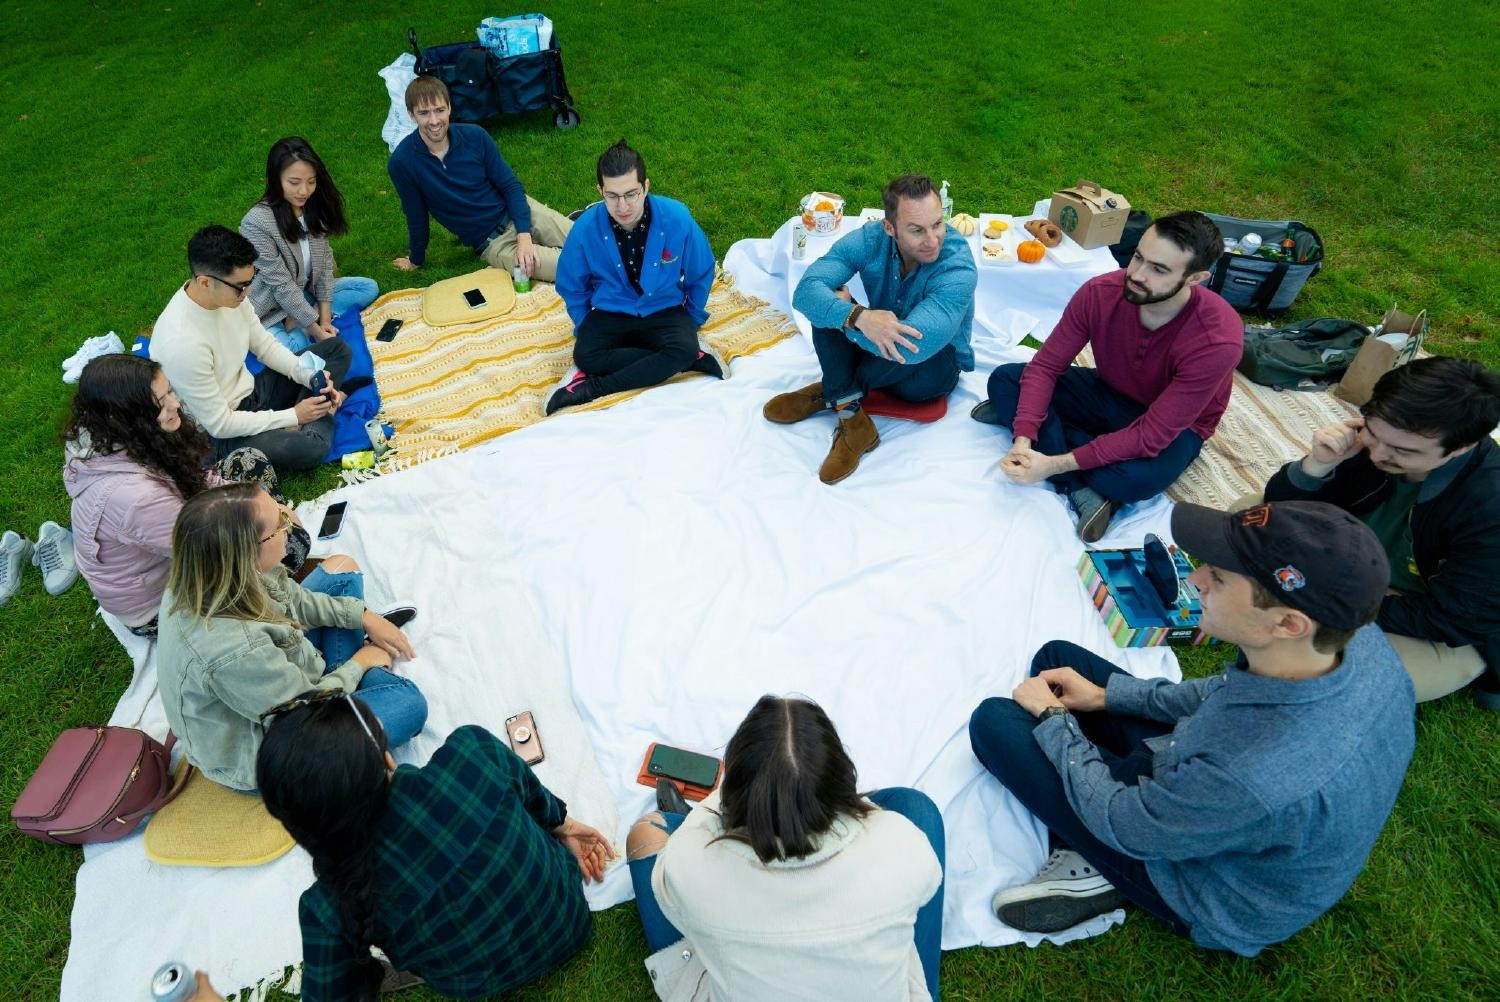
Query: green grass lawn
x: 126, y: 127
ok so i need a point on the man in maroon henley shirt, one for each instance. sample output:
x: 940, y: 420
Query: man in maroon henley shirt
x: 1164, y: 352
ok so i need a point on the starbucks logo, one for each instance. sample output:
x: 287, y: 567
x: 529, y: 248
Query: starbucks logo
x: 1068, y: 220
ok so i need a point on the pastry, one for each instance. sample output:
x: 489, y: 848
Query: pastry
x: 995, y: 228
x: 1045, y: 230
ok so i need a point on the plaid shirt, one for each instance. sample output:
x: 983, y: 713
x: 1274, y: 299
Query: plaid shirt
x: 475, y: 895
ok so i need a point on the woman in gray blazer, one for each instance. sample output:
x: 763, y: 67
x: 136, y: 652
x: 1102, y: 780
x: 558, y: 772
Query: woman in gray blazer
x: 295, y: 293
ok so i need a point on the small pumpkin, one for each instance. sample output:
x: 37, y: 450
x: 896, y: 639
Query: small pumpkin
x: 964, y: 224
x: 1030, y: 251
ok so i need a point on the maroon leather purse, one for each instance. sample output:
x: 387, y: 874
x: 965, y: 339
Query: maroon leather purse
x: 96, y: 784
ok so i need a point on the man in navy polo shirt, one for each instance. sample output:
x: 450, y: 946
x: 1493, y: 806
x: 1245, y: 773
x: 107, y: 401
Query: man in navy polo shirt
x: 635, y: 275
x: 456, y: 174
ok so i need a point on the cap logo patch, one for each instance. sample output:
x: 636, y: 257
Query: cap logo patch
x: 1290, y: 578
x: 1257, y: 517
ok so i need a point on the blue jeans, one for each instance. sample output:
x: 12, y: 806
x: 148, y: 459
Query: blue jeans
x: 349, y: 293
x: 397, y: 702
x: 850, y: 372
x: 1083, y: 407
x: 913, y: 805
x: 336, y: 644
x: 1000, y: 733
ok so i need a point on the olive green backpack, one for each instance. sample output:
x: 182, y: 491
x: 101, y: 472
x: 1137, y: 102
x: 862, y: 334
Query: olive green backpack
x: 1307, y: 355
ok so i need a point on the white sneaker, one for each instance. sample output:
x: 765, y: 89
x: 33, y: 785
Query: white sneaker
x: 54, y: 555
x: 1066, y: 891
x: 15, y: 553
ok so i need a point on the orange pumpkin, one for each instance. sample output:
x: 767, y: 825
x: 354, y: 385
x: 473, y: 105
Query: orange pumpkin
x: 1030, y: 251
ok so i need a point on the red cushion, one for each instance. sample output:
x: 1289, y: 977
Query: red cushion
x: 883, y: 404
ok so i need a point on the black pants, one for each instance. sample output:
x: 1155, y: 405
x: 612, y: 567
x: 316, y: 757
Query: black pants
x: 850, y: 372
x: 300, y: 448
x: 1000, y: 733
x: 621, y: 352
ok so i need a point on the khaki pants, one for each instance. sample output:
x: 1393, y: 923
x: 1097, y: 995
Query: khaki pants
x: 549, y: 229
x: 1436, y: 669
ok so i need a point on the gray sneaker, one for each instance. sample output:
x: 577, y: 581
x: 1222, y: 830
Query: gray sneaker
x: 54, y: 555
x: 1094, y: 512
x: 1067, y: 891
x: 15, y: 554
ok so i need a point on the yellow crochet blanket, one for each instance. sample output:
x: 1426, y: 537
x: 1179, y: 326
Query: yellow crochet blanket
x: 452, y: 387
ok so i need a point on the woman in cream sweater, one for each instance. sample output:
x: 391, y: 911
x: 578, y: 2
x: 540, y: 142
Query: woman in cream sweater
x: 786, y: 883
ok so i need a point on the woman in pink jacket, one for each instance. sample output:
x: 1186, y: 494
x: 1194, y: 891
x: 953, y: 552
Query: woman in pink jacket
x: 132, y: 458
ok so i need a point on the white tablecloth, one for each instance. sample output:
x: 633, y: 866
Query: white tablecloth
x: 1011, y: 301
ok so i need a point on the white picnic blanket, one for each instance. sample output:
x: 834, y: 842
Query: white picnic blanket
x: 678, y: 558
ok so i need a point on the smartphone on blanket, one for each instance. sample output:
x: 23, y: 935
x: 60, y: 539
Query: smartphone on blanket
x: 520, y: 730
x: 333, y: 520
x: 690, y: 767
x: 475, y: 299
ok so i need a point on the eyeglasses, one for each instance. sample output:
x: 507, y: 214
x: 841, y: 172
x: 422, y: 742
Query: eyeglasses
x: 240, y: 288
x: 629, y: 198
x: 323, y: 696
x: 284, y: 519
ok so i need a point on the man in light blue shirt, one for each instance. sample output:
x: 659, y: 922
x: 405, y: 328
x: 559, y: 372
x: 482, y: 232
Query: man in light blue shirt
x: 911, y: 340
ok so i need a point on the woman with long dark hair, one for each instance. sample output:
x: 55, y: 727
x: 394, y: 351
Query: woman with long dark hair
x: 786, y: 883
x: 238, y: 636
x: 132, y: 457
x: 296, y: 294
x: 464, y: 872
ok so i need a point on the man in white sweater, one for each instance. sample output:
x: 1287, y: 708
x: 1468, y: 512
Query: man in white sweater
x: 201, y: 340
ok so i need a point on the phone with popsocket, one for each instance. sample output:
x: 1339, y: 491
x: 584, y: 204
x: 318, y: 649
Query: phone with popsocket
x: 521, y: 731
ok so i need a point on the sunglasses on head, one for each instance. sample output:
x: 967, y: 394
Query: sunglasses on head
x: 323, y: 696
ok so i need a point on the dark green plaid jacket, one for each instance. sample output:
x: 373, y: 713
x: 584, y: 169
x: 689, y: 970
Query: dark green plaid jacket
x: 475, y: 894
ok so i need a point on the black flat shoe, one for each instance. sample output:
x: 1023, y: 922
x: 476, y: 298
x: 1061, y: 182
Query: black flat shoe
x: 401, y: 615
x: 669, y: 799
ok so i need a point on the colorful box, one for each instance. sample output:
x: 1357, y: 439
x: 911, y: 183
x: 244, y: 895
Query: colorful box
x: 1132, y: 611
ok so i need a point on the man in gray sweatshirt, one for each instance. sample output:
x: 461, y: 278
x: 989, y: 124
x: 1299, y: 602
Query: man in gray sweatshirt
x: 1236, y: 808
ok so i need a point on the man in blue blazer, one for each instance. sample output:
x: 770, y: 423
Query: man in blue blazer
x: 635, y: 274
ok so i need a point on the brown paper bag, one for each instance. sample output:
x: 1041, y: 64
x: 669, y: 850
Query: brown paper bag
x: 1376, y: 357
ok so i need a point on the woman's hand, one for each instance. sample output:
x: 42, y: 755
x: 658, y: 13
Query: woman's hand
x: 322, y: 330
x: 591, y: 849
x: 384, y: 635
x: 369, y: 656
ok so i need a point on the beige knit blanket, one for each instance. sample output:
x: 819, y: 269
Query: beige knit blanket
x: 1262, y: 431
x: 453, y: 387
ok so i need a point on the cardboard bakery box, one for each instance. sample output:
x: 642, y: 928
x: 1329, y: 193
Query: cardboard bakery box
x: 1091, y: 215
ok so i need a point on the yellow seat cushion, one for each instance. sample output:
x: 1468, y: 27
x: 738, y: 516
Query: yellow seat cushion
x: 443, y: 303
x: 212, y: 825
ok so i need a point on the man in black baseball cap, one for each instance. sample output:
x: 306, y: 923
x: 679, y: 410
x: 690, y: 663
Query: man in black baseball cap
x: 1236, y: 808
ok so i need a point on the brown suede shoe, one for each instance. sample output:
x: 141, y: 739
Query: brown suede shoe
x: 854, y: 437
x: 798, y: 405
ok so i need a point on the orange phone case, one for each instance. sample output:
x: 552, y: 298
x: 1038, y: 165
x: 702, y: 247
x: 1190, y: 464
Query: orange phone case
x: 690, y: 792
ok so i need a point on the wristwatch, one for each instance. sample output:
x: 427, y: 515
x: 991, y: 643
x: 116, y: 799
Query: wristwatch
x: 1050, y: 712
x: 853, y: 318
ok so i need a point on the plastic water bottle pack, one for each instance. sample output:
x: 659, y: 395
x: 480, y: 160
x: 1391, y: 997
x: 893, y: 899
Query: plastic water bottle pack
x: 516, y: 35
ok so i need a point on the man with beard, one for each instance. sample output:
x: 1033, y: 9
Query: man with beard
x: 1164, y: 351
x: 910, y: 339
x: 1418, y: 467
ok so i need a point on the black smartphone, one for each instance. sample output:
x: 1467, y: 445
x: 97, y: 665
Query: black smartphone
x: 318, y: 383
x: 333, y: 520
x: 475, y: 299
x: 388, y: 329
x: 690, y: 767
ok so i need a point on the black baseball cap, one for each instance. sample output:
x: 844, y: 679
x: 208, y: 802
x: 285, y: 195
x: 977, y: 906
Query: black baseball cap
x: 1314, y: 557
